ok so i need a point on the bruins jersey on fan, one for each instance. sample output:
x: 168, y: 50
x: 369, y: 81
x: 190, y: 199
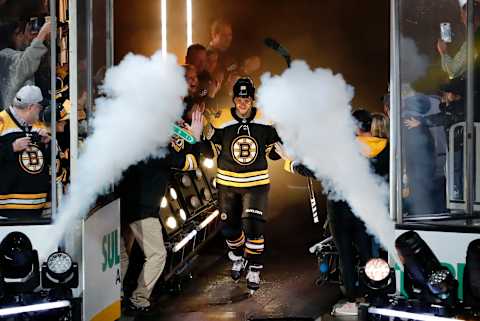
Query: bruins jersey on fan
x: 24, y: 176
x: 241, y: 147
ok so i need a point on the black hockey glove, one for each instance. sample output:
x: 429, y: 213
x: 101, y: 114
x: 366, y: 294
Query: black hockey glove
x: 303, y: 170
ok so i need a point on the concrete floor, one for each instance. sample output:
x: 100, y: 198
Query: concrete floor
x: 288, y: 289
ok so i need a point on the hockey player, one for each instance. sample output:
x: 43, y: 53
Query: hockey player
x: 24, y: 154
x: 241, y: 139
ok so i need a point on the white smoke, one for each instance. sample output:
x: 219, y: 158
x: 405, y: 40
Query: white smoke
x: 133, y: 122
x: 413, y: 64
x: 312, y: 113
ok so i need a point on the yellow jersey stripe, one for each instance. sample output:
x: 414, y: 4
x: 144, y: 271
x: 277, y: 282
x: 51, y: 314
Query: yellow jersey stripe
x: 22, y: 207
x: 249, y: 184
x: 23, y: 196
x: 242, y: 175
x: 252, y: 252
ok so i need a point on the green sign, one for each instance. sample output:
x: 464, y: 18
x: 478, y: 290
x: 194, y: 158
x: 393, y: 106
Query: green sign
x: 110, y: 248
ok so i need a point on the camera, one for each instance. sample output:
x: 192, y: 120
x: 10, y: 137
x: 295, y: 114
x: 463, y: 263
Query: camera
x: 37, y: 23
x: 35, y: 138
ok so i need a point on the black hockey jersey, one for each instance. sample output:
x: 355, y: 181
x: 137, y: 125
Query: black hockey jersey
x: 241, y: 147
x: 24, y: 176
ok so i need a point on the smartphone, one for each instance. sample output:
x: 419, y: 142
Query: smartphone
x: 37, y: 23
x: 446, y: 32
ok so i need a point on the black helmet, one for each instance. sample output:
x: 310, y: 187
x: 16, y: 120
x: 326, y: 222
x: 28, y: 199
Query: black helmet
x: 244, y: 87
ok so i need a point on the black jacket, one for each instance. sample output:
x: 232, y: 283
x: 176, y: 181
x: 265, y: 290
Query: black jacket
x: 143, y: 184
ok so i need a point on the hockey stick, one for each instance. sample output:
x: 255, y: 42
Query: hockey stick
x: 273, y: 44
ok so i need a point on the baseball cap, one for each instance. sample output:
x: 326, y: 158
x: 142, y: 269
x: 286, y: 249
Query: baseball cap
x: 457, y: 86
x: 28, y: 95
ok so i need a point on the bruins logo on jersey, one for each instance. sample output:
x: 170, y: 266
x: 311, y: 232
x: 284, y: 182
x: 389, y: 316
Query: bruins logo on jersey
x: 244, y: 150
x: 31, y: 160
x: 178, y: 143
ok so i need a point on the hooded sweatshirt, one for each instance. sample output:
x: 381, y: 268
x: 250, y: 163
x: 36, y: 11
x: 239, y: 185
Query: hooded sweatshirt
x: 378, y: 151
x: 17, y: 68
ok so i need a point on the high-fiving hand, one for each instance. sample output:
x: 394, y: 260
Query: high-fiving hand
x: 197, y: 124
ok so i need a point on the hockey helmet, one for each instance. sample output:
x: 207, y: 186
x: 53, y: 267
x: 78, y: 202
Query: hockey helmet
x: 244, y: 88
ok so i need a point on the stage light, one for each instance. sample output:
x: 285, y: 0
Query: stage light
x: 163, y: 7
x: 208, y: 163
x: 171, y: 223
x: 173, y: 193
x: 429, y: 280
x: 59, y: 271
x: 189, y: 23
x: 178, y: 246
x: 164, y: 202
x: 209, y: 219
x: 198, y: 173
x: 34, y: 308
x: 182, y: 214
x: 214, y: 182
x: 206, y: 194
x: 471, y: 281
x: 407, y: 315
x: 377, y: 281
x: 377, y: 269
x: 194, y: 202
x: 186, y: 181
x: 19, y: 263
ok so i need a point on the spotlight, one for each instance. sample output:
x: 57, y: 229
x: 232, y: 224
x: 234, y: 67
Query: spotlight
x: 194, y: 202
x: 214, y: 182
x: 182, y: 214
x: 198, y: 173
x: 429, y: 280
x: 164, y: 202
x: 186, y: 181
x: 377, y: 270
x: 59, y: 271
x: 471, y: 281
x: 19, y: 263
x: 173, y: 193
x: 208, y: 163
x: 206, y: 194
x: 377, y: 280
x: 171, y: 223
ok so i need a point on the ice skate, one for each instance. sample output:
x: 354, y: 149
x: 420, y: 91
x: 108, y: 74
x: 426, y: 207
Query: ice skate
x: 253, y: 279
x: 238, y: 266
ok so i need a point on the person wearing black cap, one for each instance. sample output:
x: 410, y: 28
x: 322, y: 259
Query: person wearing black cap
x: 452, y: 111
x: 241, y: 139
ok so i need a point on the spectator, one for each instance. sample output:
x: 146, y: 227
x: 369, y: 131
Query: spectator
x: 452, y: 111
x: 221, y: 38
x: 457, y: 65
x: 212, y: 61
x: 419, y: 149
x: 141, y: 190
x: 228, y: 63
x: 379, y: 153
x: 24, y: 154
x: 197, y: 57
x: 20, y: 57
x: 192, y: 101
